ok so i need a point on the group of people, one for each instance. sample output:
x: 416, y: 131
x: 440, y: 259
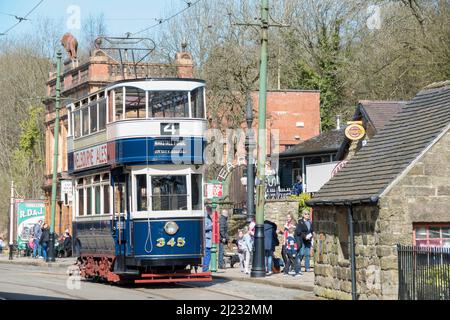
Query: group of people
x: 40, y: 236
x: 296, y: 246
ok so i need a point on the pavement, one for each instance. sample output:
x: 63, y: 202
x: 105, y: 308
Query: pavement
x: 305, y: 282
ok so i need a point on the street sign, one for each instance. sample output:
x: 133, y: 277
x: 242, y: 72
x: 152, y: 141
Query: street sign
x: 66, y: 191
x: 214, y: 190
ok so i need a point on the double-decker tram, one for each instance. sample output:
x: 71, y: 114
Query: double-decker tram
x: 135, y: 155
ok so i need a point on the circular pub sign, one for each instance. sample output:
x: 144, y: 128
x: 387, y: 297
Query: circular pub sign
x: 355, y: 131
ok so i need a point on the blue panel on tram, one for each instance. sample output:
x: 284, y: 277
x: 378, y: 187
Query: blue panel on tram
x: 187, y: 241
x: 161, y: 150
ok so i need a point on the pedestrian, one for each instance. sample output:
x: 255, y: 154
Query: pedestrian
x: 2, y: 244
x: 304, y: 234
x: 45, y: 238
x: 67, y: 244
x: 245, y: 245
x: 290, y: 250
x: 270, y: 242
x: 290, y: 222
x: 37, y: 233
x: 297, y: 188
x: 223, y: 232
x: 208, y: 238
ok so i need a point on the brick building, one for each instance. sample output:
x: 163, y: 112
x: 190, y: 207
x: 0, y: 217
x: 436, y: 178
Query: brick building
x: 77, y: 82
x: 396, y: 190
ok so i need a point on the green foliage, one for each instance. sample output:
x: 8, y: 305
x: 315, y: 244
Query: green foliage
x: 31, y: 133
x: 301, y: 198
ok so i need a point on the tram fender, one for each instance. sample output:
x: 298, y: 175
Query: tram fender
x: 119, y: 264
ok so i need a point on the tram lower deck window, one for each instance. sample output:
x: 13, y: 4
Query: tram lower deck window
x: 169, y: 193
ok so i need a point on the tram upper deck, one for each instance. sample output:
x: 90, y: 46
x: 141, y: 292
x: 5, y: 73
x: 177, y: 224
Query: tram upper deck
x: 143, y: 121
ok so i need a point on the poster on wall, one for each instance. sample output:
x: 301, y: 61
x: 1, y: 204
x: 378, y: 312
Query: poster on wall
x: 28, y: 214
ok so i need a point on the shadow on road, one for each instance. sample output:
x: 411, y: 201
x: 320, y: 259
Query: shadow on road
x: 21, y: 296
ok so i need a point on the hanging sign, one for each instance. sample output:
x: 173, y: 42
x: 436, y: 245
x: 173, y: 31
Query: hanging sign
x: 355, y: 130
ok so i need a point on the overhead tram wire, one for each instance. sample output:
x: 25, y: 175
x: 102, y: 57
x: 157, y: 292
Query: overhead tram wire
x: 161, y: 21
x: 20, y: 18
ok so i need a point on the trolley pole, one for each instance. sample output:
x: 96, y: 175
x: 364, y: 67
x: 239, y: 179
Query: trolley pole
x: 258, y: 267
x: 51, y: 249
x: 11, y: 223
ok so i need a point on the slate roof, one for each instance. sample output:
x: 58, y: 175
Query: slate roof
x: 379, y: 112
x: 326, y: 142
x: 388, y: 154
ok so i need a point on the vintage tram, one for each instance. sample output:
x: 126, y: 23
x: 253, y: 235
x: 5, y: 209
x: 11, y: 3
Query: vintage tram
x: 135, y: 156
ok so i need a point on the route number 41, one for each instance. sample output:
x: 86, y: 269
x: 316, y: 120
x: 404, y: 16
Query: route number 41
x: 169, y: 129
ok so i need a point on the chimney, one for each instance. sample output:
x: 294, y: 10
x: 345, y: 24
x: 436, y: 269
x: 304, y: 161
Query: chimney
x: 184, y: 63
x: 338, y: 122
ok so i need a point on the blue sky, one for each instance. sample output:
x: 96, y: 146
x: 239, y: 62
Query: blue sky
x: 120, y: 15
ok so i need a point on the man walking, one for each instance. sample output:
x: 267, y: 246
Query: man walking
x: 304, y: 235
x: 223, y: 228
x: 208, y: 238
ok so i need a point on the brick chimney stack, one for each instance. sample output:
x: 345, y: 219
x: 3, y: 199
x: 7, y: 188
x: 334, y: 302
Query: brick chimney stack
x: 184, y: 63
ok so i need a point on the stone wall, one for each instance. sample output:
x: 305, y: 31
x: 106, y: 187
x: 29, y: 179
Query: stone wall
x: 420, y: 195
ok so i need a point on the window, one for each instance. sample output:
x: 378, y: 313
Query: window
x: 119, y: 197
x: 93, y: 113
x: 141, y: 192
x: 134, y: 103
x: 435, y: 235
x: 169, y: 193
x: 102, y: 114
x: 85, y: 119
x: 166, y: 104
x: 93, y: 195
x: 77, y: 124
x: 118, y: 94
x: 110, y: 106
x: 197, y: 103
x: 196, y: 189
x: 89, y: 200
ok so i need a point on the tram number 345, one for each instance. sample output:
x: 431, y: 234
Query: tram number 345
x: 161, y: 242
x: 169, y: 129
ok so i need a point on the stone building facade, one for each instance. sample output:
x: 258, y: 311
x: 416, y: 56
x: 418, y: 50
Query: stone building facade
x: 385, y: 212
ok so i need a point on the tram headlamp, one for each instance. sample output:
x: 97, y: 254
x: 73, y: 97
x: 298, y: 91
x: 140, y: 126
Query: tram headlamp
x: 171, y: 228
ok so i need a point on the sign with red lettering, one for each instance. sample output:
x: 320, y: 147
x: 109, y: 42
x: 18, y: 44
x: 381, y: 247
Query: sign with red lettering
x: 91, y: 157
x: 214, y: 190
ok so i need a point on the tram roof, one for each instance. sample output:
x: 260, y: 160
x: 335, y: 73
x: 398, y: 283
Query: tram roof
x: 160, y: 84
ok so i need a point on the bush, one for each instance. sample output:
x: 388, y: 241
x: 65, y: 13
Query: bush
x: 301, y: 198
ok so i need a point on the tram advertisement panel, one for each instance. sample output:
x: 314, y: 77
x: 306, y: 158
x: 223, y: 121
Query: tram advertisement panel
x: 28, y: 214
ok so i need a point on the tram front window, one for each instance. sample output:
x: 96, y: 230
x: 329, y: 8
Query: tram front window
x: 169, y: 193
x: 168, y: 104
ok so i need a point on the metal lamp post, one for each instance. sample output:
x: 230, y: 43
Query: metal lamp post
x: 250, y: 173
x: 51, y: 249
x: 258, y: 267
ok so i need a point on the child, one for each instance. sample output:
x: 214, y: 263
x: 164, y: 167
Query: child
x: 244, y: 249
x: 291, y: 250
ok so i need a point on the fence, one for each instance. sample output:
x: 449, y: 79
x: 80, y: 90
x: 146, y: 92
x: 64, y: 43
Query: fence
x: 424, y: 273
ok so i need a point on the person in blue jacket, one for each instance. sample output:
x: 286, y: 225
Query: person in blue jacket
x: 270, y: 242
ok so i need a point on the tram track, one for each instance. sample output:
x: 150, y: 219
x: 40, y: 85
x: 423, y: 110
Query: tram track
x: 59, y: 292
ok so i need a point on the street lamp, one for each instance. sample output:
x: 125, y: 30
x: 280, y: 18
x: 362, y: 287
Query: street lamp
x: 51, y: 243
x: 250, y: 181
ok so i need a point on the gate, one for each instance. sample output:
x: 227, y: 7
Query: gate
x: 424, y: 273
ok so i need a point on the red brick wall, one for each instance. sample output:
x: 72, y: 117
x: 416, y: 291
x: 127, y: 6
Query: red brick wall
x: 285, y: 109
